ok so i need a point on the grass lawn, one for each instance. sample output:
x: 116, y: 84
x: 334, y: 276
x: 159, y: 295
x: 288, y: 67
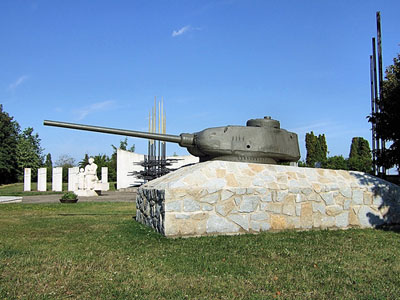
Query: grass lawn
x: 97, y: 251
x: 17, y: 189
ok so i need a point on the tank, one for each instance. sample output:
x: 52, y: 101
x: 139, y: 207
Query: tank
x: 260, y: 141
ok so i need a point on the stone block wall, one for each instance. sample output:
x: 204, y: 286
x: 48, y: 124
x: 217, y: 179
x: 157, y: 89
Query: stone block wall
x: 219, y: 197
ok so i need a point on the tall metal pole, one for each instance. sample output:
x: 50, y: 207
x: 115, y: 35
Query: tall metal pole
x: 376, y: 107
x: 371, y: 64
x: 380, y: 69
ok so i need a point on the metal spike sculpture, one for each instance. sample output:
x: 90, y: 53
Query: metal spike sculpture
x: 376, y: 76
x: 155, y: 163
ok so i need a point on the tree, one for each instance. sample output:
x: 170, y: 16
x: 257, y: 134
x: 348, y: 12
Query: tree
x: 360, y: 155
x: 29, y: 152
x: 386, y: 119
x: 317, y: 149
x: 101, y: 160
x: 8, y: 147
x: 48, y: 164
x: 337, y: 162
x: 84, y: 161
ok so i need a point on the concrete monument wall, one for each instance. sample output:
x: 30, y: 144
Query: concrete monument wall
x: 56, y: 185
x: 104, y: 174
x: 128, y: 162
x: 217, y: 197
x: 27, y: 179
x: 73, y: 178
x: 42, y: 180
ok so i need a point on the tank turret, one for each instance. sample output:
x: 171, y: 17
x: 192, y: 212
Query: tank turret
x: 260, y: 141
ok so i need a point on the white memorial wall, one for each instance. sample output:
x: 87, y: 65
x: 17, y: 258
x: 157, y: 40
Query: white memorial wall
x: 27, y: 179
x: 128, y: 162
x: 42, y: 180
x: 104, y: 175
x: 73, y: 178
x: 57, y: 179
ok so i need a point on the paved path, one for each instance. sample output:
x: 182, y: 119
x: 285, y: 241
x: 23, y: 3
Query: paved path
x: 10, y: 199
x: 106, y: 196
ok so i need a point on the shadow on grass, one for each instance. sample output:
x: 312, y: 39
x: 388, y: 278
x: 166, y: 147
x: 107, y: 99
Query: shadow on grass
x: 386, y: 198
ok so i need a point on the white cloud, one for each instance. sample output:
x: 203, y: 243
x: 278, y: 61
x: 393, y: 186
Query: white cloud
x: 98, y: 106
x: 18, y: 82
x: 181, y: 31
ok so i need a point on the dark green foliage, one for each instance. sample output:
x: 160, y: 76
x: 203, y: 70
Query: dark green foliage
x: 84, y: 161
x: 8, y: 148
x: 360, y: 155
x: 337, y: 162
x: 48, y: 164
x: 29, y: 153
x: 102, y: 160
x: 69, y: 196
x: 317, y: 149
x: 123, y: 145
x: 301, y: 164
x: 387, y: 119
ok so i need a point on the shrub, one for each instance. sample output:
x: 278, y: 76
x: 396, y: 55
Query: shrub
x: 69, y: 196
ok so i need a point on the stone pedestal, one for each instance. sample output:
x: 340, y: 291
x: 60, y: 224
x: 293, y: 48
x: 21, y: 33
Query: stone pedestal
x: 27, y: 179
x: 217, y: 197
x: 73, y: 179
x: 42, y: 180
x: 87, y: 193
x: 57, y: 179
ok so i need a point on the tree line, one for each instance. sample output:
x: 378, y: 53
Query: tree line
x: 18, y: 149
x: 21, y: 149
x: 360, y: 158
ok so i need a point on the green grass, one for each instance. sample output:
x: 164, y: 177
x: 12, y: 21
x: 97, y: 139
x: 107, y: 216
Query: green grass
x: 17, y: 189
x: 97, y: 251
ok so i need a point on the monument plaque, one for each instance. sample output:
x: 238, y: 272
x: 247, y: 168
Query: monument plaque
x: 27, y: 179
x: 42, y: 180
x: 57, y: 179
x: 73, y: 178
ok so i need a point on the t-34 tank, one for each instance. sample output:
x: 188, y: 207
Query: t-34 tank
x: 260, y: 141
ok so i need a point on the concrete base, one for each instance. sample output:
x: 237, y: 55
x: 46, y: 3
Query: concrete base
x: 102, y: 186
x: 10, y: 199
x: 98, y: 188
x: 86, y: 193
x: 218, y: 197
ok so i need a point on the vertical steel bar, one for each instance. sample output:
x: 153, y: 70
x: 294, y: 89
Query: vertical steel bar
x: 371, y: 64
x: 375, y: 79
x: 380, y: 69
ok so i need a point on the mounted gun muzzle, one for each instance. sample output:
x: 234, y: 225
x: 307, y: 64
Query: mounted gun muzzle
x: 260, y: 141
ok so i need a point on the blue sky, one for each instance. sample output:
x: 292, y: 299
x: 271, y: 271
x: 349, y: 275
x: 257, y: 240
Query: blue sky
x: 215, y: 63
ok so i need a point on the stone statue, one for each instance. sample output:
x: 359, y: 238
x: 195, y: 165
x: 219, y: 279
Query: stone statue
x: 91, y: 174
x: 81, y: 179
x: 88, y: 183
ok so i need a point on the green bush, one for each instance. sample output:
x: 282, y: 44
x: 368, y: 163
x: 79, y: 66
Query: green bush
x: 69, y: 196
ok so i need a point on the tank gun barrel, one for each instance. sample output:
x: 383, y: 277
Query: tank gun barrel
x: 182, y: 139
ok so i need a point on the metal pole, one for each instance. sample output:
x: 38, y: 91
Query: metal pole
x: 380, y: 69
x: 371, y: 64
x: 376, y: 107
